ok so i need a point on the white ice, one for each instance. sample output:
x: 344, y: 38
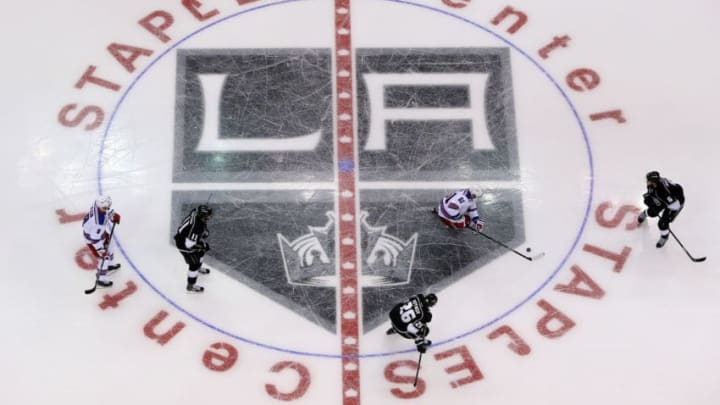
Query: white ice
x: 653, y: 338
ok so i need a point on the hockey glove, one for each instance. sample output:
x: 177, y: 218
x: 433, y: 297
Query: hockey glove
x: 116, y: 218
x: 652, y: 202
x: 477, y: 224
x: 422, y: 344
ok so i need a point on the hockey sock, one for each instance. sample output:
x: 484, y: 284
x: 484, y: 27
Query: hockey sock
x: 192, y: 274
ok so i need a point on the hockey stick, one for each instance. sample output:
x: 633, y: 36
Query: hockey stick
x: 102, y: 263
x: 530, y: 258
x: 695, y: 259
x: 417, y: 372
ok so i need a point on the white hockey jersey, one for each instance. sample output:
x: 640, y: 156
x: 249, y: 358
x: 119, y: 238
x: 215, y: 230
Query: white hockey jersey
x: 458, y: 204
x: 96, y: 223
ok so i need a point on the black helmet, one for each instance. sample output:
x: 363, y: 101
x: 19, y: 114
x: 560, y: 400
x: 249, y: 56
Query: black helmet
x: 431, y: 299
x: 204, y: 211
x: 652, y: 176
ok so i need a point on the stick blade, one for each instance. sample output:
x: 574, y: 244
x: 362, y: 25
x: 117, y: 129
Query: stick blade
x: 699, y: 259
x: 537, y: 256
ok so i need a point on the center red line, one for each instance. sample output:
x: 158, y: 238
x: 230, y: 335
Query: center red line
x: 349, y: 293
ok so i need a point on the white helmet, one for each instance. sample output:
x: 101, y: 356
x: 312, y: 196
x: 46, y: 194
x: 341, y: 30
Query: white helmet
x: 103, y: 202
x: 475, y: 192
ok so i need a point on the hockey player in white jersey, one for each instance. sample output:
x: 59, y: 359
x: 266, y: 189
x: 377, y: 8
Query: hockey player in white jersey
x: 459, y: 210
x: 97, y: 227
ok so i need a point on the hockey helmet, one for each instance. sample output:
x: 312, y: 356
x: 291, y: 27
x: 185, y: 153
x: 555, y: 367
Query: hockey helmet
x: 473, y: 192
x: 652, y: 176
x: 204, y: 211
x: 104, y: 202
x: 431, y: 299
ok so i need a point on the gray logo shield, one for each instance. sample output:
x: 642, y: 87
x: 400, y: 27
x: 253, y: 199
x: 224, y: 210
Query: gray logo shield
x: 257, y: 119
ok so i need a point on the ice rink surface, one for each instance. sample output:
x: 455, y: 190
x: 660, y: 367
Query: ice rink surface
x: 325, y: 133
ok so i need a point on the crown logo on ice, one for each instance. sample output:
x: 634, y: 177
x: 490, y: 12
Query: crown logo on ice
x: 389, y: 259
x: 309, y: 260
x: 306, y: 259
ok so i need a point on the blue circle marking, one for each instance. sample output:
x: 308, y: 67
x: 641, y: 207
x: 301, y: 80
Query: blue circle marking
x: 349, y: 164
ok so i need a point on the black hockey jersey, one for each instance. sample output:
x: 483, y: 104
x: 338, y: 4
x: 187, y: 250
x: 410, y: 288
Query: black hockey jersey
x: 193, y: 228
x: 665, y: 193
x: 410, y: 318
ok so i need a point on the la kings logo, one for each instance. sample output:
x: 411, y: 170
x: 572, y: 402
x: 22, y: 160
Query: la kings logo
x: 260, y: 122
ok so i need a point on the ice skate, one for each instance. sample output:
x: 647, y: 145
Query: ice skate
x: 194, y: 288
x: 112, y: 269
x: 641, y: 218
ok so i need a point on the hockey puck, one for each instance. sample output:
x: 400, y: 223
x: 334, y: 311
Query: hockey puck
x: 528, y: 250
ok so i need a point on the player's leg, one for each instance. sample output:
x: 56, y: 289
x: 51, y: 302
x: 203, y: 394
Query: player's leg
x: 202, y: 269
x: 98, y: 250
x: 453, y: 224
x: 194, y: 264
x: 664, y: 226
x: 112, y: 265
x: 193, y: 261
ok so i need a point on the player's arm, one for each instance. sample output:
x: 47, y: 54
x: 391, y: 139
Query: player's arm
x: 673, y: 197
x: 475, y: 222
x: 668, y: 199
x: 114, y: 217
x: 652, y: 200
x: 190, y: 242
x: 450, y: 196
x: 415, y: 328
x: 421, y: 341
x: 674, y: 205
x: 193, y: 235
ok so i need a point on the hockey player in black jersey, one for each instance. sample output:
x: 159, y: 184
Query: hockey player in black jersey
x: 663, y: 199
x: 190, y: 241
x: 409, y: 319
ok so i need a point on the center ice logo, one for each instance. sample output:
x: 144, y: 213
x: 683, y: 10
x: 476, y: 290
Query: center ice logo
x: 260, y: 121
